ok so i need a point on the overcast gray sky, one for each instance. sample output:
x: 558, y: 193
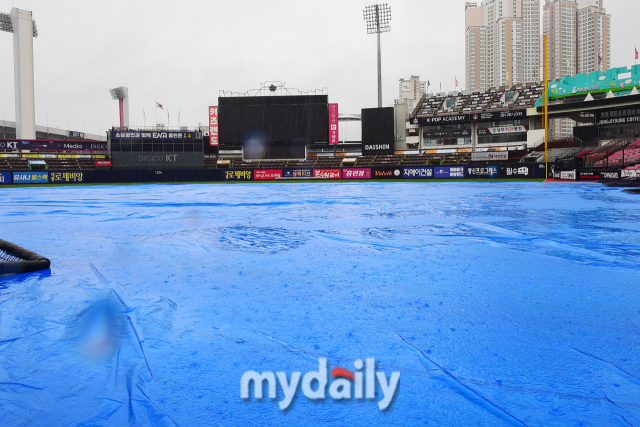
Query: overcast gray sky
x: 182, y: 53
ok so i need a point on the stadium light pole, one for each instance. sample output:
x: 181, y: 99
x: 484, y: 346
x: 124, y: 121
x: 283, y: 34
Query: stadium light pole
x: 122, y: 95
x: 378, y: 17
x: 21, y: 24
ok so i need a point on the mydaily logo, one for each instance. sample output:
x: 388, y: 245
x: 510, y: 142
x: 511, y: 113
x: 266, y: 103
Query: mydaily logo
x: 345, y: 384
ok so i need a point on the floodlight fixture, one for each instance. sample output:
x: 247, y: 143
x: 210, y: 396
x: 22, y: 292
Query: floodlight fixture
x: 378, y: 19
x: 7, y: 26
x: 121, y: 94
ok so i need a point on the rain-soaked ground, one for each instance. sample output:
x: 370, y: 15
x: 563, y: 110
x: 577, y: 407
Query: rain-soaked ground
x: 497, y: 304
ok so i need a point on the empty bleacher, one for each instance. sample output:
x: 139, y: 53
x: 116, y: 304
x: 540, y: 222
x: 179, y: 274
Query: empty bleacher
x: 477, y: 101
x: 60, y: 163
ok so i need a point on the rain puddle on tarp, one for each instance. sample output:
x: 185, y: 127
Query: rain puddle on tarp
x: 498, y: 304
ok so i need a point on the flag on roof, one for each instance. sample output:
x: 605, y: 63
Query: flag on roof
x: 160, y: 106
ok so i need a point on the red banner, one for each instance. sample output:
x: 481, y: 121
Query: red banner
x: 333, y: 124
x: 327, y: 173
x: 213, y: 127
x: 267, y: 174
x: 103, y: 162
x: 356, y: 173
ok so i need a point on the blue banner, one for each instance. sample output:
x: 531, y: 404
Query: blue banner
x: 5, y: 178
x: 297, y: 173
x: 417, y: 172
x: 66, y: 177
x: 31, y: 177
x: 483, y: 172
x: 449, y: 172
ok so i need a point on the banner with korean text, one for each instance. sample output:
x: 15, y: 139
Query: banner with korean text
x: 214, y: 139
x: 333, y: 124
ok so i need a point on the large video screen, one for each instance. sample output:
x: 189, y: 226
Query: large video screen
x: 273, y: 120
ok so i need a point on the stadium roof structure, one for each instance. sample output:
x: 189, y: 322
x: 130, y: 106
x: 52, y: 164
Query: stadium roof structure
x: 619, y: 81
x: 581, y: 96
x: 518, y: 97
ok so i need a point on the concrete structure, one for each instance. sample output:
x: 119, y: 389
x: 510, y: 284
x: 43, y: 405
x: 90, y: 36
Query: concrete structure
x: 579, y: 42
x: 21, y: 24
x: 410, y: 91
x: 501, y: 43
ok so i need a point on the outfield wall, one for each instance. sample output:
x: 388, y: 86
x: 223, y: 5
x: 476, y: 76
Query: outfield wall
x: 123, y: 176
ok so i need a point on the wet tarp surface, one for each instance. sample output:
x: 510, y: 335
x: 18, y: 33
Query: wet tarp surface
x: 498, y: 304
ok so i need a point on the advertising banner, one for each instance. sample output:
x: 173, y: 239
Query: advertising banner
x: 568, y: 175
x: 483, y: 172
x: 239, y: 175
x: 356, y: 173
x: 610, y: 175
x: 66, y: 177
x: 386, y: 148
x: 489, y: 156
x: 449, y: 172
x: 5, y: 178
x: 298, y: 173
x: 103, y: 162
x: 46, y: 145
x: 589, y: 176
x: 629, y: 173
x: 31, y: 177
x: 516, y: 171
x: 327, y: 173
x: 267, y: 174
x: 155, y: 135
x: 333, y: 124
x: 214, y: 139
x: 73, y: 134
x: 473, y: 117
x: 417, y: 172
x: 503, y: 129
x: 386, y: 173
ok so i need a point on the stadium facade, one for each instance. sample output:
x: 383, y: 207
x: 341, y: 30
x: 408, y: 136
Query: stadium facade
x: 496, y: 133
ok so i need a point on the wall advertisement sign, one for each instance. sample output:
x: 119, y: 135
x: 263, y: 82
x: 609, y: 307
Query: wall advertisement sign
x: 417, y: 172
x: 356, y: 173
x: 267, y: 174
x: 238, y: 175
x: 327, y: 173
x: 489, y: 156
x: 66, y: 177
x: 333, y: 124
x: 31, y: 177
x: 214, y: 133
x: 297, y: 173
x: 448, y: 172
x: 483, y: 172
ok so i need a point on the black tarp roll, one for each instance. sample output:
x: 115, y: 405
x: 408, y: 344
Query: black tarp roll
x: 17, y: 260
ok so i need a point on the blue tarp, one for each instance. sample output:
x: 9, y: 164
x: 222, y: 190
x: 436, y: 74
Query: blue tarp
x: 498, y: 304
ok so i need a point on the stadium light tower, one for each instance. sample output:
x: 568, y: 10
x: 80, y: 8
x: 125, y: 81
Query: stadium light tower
x: 21, y: 24
x: 378, y: 19
x: 122, y: 95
